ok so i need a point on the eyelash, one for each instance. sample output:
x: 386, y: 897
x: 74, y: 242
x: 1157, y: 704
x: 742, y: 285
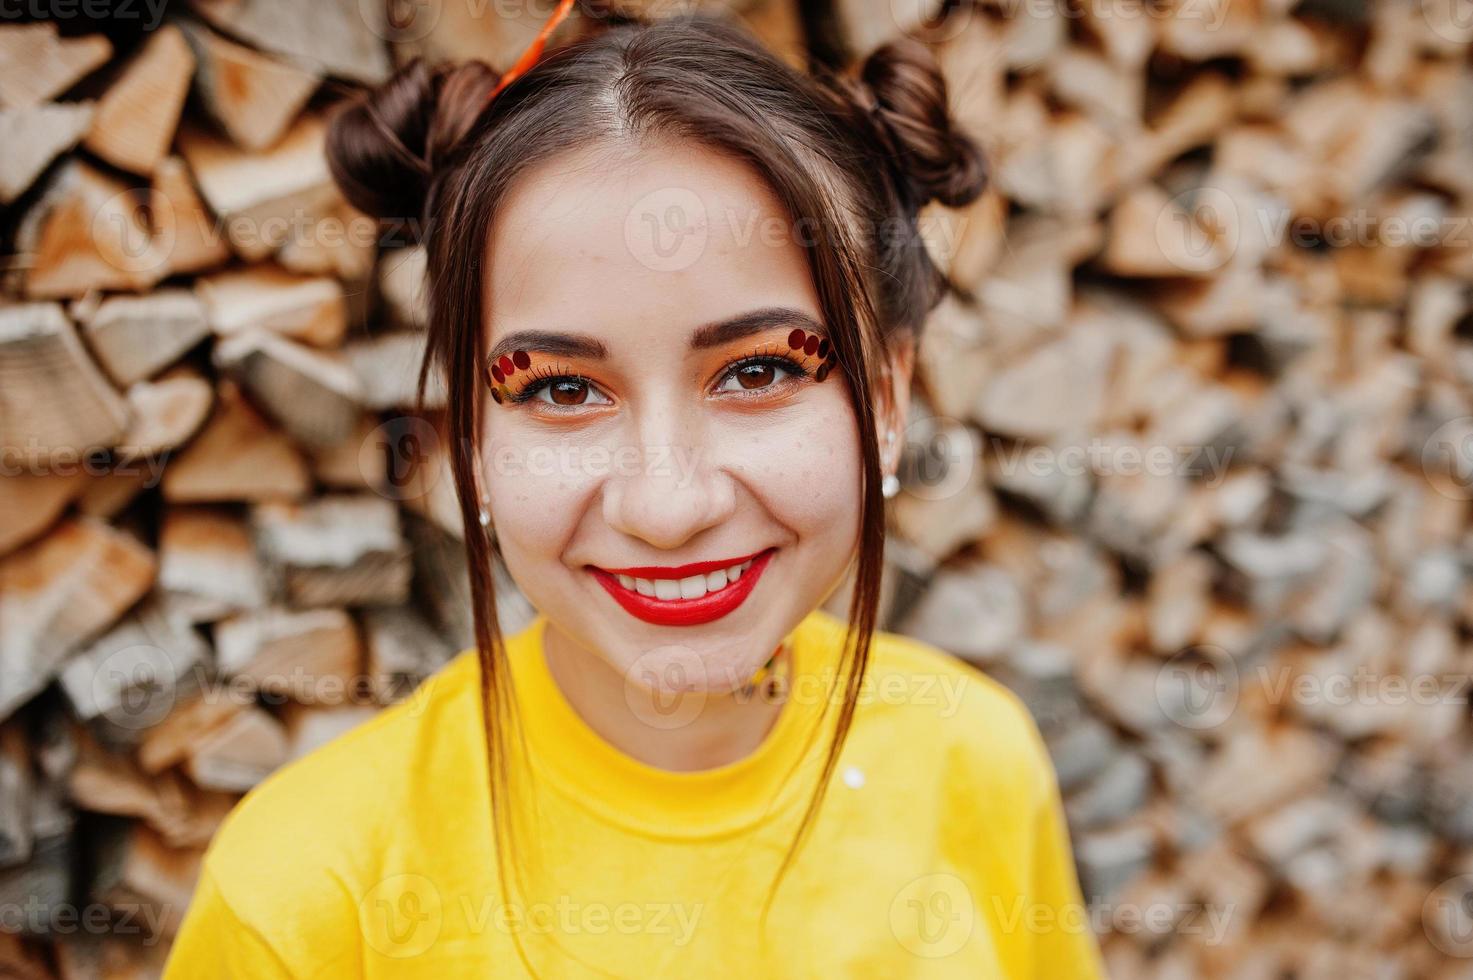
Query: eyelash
x: 541, y: 377
x: 770, y: 355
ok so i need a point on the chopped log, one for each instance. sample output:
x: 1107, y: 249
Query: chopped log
x: 1153, y: 235
x: 135, y: 337
x: 165, y: 413
x: 37, y: 65
x: 459, y: 33
x: 401, y: 285
x: 16, y: 777
x: 59, y: 593
x: 1049, y: 390
x: 140, y: 872
x: 347, y: 466
x: 409, y: 460
x: 136, y: 118
x: 133, y: 673
x: 267, y: 297
x: 311, y: 656
x: 190, y: 236
x: 253, y: 97
x: 237, y: 755
x: 402, y: 651
x: 237, y: 456
x: 261, y: 197
x: 32, y: 137
x: 87, y: 232
x: 104, y: 781
x: 388, y: 371
x: 108, y: 494
x: 336, y: 240
x: 308, y: 729
x: 973, y: 613
x: 25, y: 960
x: 38, y: 888
x: 32, y: 502
x: 207, y: 563
x: 84, y: 957
x: 55, y: 401
x: 314, y: 395
x: 192, y: 719
x: 340, y: 37
x: 336, y: 550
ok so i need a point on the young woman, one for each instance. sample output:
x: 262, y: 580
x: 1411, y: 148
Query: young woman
x: 675, y: 289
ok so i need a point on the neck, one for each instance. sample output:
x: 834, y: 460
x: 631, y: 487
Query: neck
x: 727, y: 728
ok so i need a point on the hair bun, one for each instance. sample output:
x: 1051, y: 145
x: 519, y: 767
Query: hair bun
x: 907, y: 94
x: 384, y: 144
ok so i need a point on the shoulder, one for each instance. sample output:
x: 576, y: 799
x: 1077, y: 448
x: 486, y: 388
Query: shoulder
x: 309, y: 834
x: 983, y: 729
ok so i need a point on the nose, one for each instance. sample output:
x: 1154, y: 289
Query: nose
x: 675, y: 489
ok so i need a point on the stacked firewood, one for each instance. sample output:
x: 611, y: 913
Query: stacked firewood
x: 1189, y: 466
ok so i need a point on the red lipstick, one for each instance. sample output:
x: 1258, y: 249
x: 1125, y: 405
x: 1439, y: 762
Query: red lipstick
x: 683, y: 612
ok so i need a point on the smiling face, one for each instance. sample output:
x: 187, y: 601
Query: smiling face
x: 670, y: 481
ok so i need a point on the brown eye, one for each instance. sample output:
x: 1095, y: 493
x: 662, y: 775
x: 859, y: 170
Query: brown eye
x: 756, y: 375
x: 568, y: 392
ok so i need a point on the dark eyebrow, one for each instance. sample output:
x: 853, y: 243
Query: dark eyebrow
x: 550, y: 342
x: 725, y: 331
x: 707, y: 336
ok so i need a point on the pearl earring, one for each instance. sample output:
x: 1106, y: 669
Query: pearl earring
x: 890, y: 485
x: 484, y: 517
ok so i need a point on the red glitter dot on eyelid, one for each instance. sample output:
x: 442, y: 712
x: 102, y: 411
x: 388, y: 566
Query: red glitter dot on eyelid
x: 520, y: 359
x: 823, y: 347
x: 810, y: 345
x: 496, y: 395
x: 496, y: 373
x: 822, y: 372
x: 796, y: 338
x: 505, y: 364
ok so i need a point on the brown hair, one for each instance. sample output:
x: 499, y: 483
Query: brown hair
x: 854, y: 155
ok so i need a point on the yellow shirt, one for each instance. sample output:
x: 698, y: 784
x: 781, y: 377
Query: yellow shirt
x: 940, y: 850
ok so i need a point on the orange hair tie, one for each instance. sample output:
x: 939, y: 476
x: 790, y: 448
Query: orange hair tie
x: 534, y: 50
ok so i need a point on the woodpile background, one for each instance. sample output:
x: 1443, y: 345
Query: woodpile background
x: 1191, y: 469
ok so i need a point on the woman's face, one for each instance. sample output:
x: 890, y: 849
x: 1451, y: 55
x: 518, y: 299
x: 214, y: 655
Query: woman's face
x: 663, y: 437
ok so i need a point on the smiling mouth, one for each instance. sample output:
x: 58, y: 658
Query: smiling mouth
x: 684, y: 595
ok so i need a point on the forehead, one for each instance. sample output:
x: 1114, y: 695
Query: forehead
x: 663, y: 235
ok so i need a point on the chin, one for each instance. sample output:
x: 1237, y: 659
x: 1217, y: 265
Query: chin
x: 705, y: 659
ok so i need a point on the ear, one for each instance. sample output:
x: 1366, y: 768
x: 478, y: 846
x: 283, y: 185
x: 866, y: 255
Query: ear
x: 892, y: 408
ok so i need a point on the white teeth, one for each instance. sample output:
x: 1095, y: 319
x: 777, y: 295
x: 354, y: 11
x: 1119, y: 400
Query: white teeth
x: 690, y: 587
